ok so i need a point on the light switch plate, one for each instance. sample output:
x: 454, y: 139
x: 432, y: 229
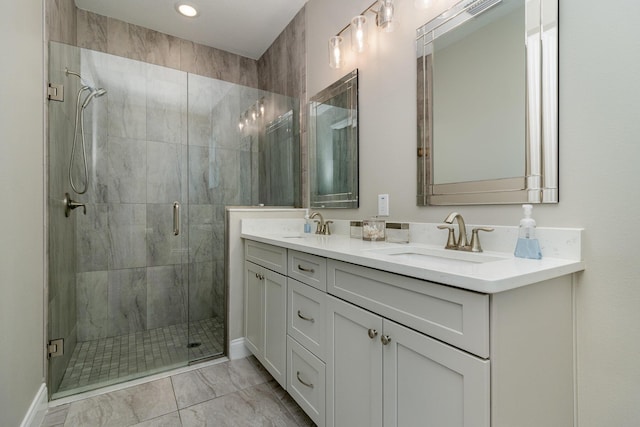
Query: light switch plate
x: 383, y: 205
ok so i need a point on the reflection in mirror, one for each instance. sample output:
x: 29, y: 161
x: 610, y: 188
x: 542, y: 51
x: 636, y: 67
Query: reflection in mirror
x: 333, y: 145
x: 487, y: 104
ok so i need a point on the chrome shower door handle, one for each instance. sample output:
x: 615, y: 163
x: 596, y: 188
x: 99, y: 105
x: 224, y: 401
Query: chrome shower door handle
x: 176, y: 218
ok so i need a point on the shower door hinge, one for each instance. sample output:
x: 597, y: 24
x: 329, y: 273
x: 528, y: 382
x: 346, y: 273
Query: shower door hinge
x: 55, y: 92
x: 55, y: 348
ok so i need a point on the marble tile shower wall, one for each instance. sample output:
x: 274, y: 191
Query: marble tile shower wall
x: 70, y: 25
x: 282, y: 70
x: 127, y: 254
x: 115, y: 199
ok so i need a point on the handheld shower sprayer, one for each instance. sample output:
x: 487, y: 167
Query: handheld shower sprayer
x: 93, y: 93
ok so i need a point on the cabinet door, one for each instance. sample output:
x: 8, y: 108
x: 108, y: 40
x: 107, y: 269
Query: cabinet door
x: 253, y: 309
x: 275, y: 325
x: 354, y: 366
x: 429, y: 383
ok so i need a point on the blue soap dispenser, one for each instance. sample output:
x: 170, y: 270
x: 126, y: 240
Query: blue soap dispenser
x: 307, y: 222
x: 528, y: 245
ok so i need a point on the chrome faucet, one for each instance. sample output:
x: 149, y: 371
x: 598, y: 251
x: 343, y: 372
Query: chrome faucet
x: 462, y: 243
x: 323, y: 226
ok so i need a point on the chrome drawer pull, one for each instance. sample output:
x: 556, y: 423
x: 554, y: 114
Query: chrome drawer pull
x: 385, y: 339
x: 308, y: 270
x: 372, y: 333
x: 308, y: 319
x: 303, y: 383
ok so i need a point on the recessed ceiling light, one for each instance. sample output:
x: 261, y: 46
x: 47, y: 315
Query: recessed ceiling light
x: 186, y: 10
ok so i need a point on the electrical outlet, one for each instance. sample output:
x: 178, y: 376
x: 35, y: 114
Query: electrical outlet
x: 383, y: 205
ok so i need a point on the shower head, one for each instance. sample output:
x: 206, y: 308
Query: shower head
x: 95, y: 93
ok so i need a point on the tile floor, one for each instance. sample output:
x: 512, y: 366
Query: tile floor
x: 105, y: 361
x: 232, y: 393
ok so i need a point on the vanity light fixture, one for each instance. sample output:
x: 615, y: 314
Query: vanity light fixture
x: 382, y: 9
x: 335, y: 52
x: 384, y: 19
x: 359, y: 33
x: 250, y: 116
x: 186, y: 9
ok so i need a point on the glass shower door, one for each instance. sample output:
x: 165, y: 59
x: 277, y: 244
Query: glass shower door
x: 137, y: 285
x: 118, y: 288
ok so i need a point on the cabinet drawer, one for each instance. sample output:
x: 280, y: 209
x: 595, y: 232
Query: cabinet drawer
x: 269, y: 256
x: 309, y: 269
x: 455, y: 316
x: 306, y: 316
x: 306, y: 381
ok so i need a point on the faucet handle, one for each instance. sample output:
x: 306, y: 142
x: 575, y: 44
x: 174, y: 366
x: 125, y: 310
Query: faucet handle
x: 327, y: 229
x: 451, y: 238
x: 475, y: 240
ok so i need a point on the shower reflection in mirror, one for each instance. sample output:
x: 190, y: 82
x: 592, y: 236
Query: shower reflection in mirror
x: 333, y: 145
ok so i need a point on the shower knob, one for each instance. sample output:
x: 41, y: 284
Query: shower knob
x: 70, y: 205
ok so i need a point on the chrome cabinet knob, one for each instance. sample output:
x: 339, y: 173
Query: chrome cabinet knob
x: 372, y: 333
x: 385, y: 339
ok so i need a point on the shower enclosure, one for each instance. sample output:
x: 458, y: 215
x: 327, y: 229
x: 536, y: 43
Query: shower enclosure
x: 137, y: 283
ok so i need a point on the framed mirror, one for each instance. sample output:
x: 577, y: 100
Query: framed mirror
x: 488, y: 104
x: 333, y: 145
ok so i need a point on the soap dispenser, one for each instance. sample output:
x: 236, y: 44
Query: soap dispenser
x: 528, y: 245
x: 307, y: 222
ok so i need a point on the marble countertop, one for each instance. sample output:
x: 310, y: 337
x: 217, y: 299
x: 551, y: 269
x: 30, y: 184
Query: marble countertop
x: 496, y: 276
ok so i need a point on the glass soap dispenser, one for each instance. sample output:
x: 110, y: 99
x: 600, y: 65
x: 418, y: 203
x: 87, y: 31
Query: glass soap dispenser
x: 528, y: 245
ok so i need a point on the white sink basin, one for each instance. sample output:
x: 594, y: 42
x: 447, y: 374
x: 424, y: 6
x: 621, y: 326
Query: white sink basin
x: 421, y: 254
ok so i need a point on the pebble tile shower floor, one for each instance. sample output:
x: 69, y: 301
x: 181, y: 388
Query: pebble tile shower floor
x: 112, y: 359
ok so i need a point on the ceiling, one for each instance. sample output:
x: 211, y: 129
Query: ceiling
x: 243, y: 27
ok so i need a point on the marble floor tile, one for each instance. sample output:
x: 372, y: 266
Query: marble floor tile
x: 218, y: 380
x: 124, y: 407
x: 56, y: 416
x: 169, y: 420
x: 254, y: 406
x: 257, y: 400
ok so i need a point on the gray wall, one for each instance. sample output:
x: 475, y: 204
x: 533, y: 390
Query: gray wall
x: 22, y: 185
x: 599, y: 152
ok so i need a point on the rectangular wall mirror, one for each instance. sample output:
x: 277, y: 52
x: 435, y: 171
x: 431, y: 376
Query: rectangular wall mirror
x: 333, y: 145
x: 488, y: 104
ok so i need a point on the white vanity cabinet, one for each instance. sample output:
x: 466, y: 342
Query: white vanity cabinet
x: 357, y: 346
x: 380, y: 373
x: 265, y: 313
x: 445, y: 356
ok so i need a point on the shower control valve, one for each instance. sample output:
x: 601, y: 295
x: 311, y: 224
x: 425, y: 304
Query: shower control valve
x: 70, y: 205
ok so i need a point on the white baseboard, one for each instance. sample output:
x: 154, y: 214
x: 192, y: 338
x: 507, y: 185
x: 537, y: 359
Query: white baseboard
x: 37, y: 410
x: 237, y: 349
